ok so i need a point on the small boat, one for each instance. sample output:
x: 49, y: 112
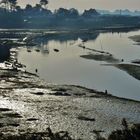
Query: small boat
x: 37, y: 50
x: 56, y: 50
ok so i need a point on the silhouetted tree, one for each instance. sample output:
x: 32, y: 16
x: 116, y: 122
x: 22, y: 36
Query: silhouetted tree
x: 74, y: 12
x: 90, y: 13
x: 18, y: 8
x: 62, y: 13
x: 44, y: 3
x: 28, y: 7
x: 37, y: 7
x: 65, y: 13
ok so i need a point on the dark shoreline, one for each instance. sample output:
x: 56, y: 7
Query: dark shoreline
x: 110, y: 29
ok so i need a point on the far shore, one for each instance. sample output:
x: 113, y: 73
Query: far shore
x: 63, y: 29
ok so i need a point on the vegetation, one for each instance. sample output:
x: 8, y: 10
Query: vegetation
x: 39, y: 16
x: 127, y: 133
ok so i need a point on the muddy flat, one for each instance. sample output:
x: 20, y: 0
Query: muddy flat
x: 28, y: 104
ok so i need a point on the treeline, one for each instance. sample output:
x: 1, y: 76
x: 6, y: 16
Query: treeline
x: 39, y: 16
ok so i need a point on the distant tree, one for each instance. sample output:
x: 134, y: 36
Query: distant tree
x: 66, y: 13
x: 28, y: 7
x: 62, y: 12
x: 90, y: 13
x: 18, y: 8
x: 74, y: 12
x: 38, y: 7
x: 44, y: 3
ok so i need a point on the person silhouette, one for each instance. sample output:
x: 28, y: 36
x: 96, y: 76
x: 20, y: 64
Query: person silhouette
x: 36, y: 70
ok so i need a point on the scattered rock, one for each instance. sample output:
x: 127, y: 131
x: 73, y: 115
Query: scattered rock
x: 85, y: 118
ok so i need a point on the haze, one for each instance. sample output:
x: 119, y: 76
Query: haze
x: 86, y: 4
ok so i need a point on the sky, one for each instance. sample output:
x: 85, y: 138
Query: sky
x: 87, y: 4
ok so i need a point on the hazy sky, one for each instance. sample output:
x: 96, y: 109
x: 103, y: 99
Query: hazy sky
x: 86, y: 4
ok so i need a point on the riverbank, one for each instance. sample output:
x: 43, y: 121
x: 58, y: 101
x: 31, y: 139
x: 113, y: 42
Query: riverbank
x: 29, y: 105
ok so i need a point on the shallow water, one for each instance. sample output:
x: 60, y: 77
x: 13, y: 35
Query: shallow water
x: 67, y: 67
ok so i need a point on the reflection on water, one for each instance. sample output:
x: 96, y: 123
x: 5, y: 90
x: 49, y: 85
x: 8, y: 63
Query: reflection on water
x: 65, y: 66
